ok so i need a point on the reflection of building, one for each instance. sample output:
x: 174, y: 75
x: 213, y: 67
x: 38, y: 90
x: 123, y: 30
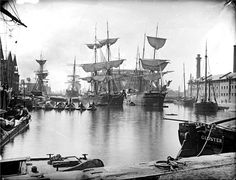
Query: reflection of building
x: 223, y: 86
x: 8, y: 71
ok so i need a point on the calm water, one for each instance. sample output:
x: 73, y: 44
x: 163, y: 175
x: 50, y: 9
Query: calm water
x: 117, y: 136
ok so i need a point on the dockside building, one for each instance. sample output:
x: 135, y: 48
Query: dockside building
x: 222, y: 86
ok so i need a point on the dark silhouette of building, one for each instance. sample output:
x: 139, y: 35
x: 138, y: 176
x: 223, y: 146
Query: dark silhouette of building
x: 9, y: 76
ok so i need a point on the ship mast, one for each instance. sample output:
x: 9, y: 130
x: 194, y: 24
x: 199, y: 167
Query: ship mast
x: 205, y: 97
x: 95, y: 59
x: 73, y: 76
x: 108, y: 59
x: 184, y: 81
x: 155, y: 48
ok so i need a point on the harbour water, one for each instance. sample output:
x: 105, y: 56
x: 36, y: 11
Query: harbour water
x: 117, y: 136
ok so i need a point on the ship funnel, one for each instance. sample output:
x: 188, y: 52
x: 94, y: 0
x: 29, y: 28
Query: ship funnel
x: 198, y: 73
x: 234, y: 68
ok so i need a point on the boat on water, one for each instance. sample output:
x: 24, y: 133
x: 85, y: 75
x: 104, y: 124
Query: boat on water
x: 102, y: 81
x: 206, y: 104
x: 204, y: 139
x: 185, y: 101
x: 81, y: 107
x: 92, y: 107
x: 59, y: 106
x: 70, y: 106
x: 74, y: 84
x: 46, y: 167
x: 48, y: 106
x: 13, y: 122
x: 152, y: 89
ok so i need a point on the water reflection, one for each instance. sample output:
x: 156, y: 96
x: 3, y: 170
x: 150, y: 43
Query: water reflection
x: 127, y: 135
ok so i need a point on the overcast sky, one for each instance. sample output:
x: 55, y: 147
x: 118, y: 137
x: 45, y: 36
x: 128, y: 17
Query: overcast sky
x: 60, y: 29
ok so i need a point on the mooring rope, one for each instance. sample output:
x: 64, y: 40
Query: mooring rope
x: 208, y: 137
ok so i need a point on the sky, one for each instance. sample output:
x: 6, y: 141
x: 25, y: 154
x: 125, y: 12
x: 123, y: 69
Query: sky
x: 60, y: 29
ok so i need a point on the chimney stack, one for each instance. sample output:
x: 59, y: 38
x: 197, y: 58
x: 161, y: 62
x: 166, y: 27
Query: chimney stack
x: 198, y: 58
x: 234, y: 69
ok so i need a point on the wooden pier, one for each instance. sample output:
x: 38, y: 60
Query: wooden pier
x: 221, y: 166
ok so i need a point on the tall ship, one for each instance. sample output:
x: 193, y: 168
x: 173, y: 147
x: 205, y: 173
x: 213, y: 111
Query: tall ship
x: 74, y: 84
x: 104, y: 89
x: 152, y: 89
x: 206, y: 104
x: 185, y: 100
x: 39, y: 88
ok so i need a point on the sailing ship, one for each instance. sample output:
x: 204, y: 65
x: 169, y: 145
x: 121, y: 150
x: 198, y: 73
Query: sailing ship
x: 39, y: 88
x: 104, y: 91
x: 185, y: 101
x: 204, y: 139
x: 74, y: 84
x: 154, y: 91
x: 206, y: 105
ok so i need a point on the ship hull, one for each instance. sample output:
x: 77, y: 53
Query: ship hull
x: 106, y: 99
x: 193, y: 136
x: 150, y: 99
x: 206, y: 107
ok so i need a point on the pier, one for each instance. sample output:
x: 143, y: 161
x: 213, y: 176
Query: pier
x: 220, y: 166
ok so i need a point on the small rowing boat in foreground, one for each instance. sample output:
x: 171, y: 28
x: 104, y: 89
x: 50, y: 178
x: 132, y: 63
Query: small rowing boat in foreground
x: 35, y: 168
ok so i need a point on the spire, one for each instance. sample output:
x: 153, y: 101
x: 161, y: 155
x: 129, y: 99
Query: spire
x: 1, y: 51
x: 14, y: 60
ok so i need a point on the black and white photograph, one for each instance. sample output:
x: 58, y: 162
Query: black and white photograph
x: 117, y: 89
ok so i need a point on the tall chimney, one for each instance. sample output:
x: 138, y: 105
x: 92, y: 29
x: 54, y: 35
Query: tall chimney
x: 198, y: 58
x: 234, y: 69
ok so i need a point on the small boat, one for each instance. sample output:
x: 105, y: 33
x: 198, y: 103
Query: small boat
x: 46, y: 167
x: 204, y: 139
x: 91, y: 107
x: 81, y: 107
x: 48, y: 106
x: 13, y: 124
x: 60, y: 106
x: 70, y: 107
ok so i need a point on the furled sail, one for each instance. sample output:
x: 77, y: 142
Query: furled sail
x: 154, y: 64
x: 109, y: 41
x: 154, y: 76
x: 156, y: 42
x: 102, y: 78
x: 93, y: 46
x: 101, y: 65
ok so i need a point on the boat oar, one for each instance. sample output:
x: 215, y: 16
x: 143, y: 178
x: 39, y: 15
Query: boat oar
x: 224, y: 120
x: 172, y: 119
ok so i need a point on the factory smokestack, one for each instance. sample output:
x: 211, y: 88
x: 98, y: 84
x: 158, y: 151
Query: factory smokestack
x: 198, y: 73
x: 234, y: 69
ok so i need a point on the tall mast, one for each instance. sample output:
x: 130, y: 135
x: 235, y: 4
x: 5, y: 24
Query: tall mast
x: 184, y: 81
x: 191, y: 86
x: 108, y: 59
x: 155, y: 48
x: 205, y: 98
x: 73, y: 77
x: 137, y: 60
x: 95, y: 54
x: 119, y: 57
x: 144, y: 45
x: 95, y: 47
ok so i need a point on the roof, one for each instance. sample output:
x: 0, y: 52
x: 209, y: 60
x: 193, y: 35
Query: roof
x: 218, y: 77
